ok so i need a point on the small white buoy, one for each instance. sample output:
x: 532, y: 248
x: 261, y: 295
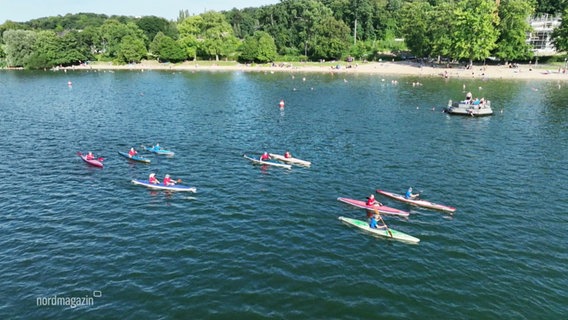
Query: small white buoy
x: 69, y: 83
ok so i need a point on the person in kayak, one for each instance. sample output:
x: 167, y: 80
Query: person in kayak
x: 287, y: 155
x: 265, y: 156
x: 132, y: 152
x: 156, y: 147
x: 90, y: 156
x: 168, y: 181
x: 373, y: 222
x: 410, y: 195
x: 371, y: 201
x: 152, y: 179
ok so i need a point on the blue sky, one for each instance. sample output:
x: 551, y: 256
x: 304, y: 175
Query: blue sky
x: 24, y: 10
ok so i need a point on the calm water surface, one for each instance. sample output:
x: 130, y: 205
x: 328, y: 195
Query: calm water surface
x: 258, y: 242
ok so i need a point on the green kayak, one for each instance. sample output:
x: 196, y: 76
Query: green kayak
x: 381, y: 231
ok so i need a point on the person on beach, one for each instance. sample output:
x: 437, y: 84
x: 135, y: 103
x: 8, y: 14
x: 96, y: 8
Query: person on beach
x: 90, y: 156
x: 152, y: 179
x: 287, y: 155
x: 265, y: 156
x: 410, y: 195
x: 132, y: 152
x: 371, y: 201
x: 168, y: 181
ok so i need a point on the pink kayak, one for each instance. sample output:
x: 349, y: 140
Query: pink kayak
x: 381, y: 209
x: 417, y: 202
x: 94, y: 162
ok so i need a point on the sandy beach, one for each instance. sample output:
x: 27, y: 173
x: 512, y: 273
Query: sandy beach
x: 521, y: 72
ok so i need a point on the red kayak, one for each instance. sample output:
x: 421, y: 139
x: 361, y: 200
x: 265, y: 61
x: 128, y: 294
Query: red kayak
x: 417, y: 202
x: 94, y: 162
x: 381, y: 209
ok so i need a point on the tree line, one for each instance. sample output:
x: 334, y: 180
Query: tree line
x: 292, y: 30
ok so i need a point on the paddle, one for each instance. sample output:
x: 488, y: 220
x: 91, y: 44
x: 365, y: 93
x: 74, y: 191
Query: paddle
x: 383, y: 221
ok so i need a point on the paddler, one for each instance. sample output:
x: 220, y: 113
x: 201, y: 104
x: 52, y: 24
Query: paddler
x: 90, y: 156
x: 410, y: 195
x: 132, y: 152
x: 371, y: 201
x: 168, y: 181
x: 152, y: 179
x: 265, y: 156
x: 287, y: 155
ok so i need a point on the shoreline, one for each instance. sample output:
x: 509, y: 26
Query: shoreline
x: 403, y: 68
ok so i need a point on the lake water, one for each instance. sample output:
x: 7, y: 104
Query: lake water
x: 257, y: 242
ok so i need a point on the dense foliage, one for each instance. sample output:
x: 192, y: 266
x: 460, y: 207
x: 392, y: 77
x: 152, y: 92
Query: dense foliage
x: 292, y: 30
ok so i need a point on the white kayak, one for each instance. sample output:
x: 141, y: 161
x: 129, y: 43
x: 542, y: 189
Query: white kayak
x: 380, y: 231
x: 295, y: 161
x: 160, y: 186
x: 269, y: 163
x: 417, y: 202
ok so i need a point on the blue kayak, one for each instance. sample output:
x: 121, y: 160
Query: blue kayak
x: 159, y: 151
x: 134, y: 158
x: 161, y: 186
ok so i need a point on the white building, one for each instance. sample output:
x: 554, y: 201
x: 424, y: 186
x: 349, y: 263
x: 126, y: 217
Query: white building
x: 541, y: 36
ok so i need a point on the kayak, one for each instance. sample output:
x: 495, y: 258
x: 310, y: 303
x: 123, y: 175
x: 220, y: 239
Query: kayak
x: 134, y: 158
x: 270, y: 163
x: 380, y: 231
x: 93, y: 162
x: 160, y: 186
x: 381, y: 209
x: 290, y: 160
x: 418, y: 202
x: 159, y: 151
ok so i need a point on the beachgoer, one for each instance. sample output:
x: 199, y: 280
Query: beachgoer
x: 152, y: 179
x: 132, y: 152
x: 287, y: 155
x: 371, y: 201
x: 168, y: 181
x: 265, y: 156
x: 90, y: 156
x: 409, y: 194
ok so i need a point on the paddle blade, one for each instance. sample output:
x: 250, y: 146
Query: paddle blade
x: 178, y: 180
x: 101, y: 159
x: 79, y: 153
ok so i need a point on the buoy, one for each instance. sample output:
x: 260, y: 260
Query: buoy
x: 281, y: 104
x: 69, y: 83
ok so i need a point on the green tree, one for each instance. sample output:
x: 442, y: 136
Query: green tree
x: 416, y: 26
x: 513, y: 30
x: 474, y: 30
x: 113, y: 31
x: 45, y: 51
x: 258, y: 48
x: 219, y: 39
x: 131, y: 49
x: 167, y: 49
x: 151, y: 25
x: 19, y: 45
x: 190, y: 35
x: 560, y: 34
x: 331, y: 39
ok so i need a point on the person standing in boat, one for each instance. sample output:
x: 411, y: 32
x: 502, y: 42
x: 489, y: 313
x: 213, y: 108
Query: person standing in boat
x: 90, y: 156
x: 468, y: 97
x: 410, y: 195
x: 152, y: 179
x: 132, y: 152
x: 371, y: 201
x: 168, y: 181
x: 265, y: 156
